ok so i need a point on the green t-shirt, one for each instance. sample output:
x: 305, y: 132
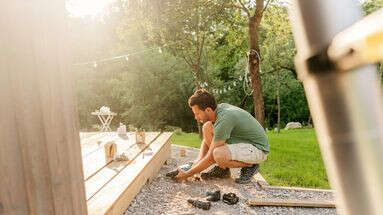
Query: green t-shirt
x: 235, y: 125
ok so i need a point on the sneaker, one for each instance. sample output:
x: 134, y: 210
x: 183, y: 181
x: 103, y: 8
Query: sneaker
x: 216, y: 172
x: 247, y: 173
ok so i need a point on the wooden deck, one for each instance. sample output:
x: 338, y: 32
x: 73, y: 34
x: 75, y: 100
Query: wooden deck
x: 110, y: 186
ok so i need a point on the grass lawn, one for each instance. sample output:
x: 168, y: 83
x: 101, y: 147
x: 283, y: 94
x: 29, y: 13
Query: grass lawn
x: 294, y: 159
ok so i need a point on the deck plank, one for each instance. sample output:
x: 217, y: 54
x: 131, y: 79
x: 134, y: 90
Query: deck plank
x: 95, y: 160
x: 92, y: 143
x: 102, y: 177
x: 117, y: 194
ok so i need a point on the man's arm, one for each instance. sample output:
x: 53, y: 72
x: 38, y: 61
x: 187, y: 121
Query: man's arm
x: 202, y: 153
x: 204, y: 163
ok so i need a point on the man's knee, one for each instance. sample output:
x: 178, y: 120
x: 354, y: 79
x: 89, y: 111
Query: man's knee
x: 220, y: 156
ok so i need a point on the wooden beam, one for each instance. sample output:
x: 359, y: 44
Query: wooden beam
x: 261, y: 180
x: 41, y: 169
x: 297, y: 189
x: 116, y: 195
x: 292, y: 203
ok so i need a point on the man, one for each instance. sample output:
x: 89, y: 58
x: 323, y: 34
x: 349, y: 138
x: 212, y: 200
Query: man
x: 232, y: 138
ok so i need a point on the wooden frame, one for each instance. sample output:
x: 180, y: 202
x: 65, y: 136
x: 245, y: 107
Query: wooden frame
x: 292, y: 203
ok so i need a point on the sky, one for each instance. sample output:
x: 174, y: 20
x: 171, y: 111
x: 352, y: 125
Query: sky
x: 83, y: 8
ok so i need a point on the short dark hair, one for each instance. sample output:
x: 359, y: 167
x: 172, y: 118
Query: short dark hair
x: 203, y: 99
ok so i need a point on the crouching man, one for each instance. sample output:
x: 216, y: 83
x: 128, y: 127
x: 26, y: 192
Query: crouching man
x: 232, y: 138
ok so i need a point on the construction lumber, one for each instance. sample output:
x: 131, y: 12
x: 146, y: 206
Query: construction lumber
x: 116, y: 195
x: 292, y: 203
x: 102, y: 177
x: 296, y: 189
x: 261, y: 181
x: 40, y: 157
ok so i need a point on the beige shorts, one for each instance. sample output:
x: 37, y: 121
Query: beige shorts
x: 246, y: 153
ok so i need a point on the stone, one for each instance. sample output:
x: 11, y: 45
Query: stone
x: 293, y: 125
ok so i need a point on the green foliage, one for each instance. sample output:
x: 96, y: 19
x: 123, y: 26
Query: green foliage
x: 370, y: 6
x: 151, y: 89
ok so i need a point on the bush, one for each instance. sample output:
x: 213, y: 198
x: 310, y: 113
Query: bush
x: 175, y: 129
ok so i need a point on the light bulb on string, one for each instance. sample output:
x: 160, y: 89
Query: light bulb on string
x: 95, y: 64
x: 126, y: 58
x: 160, y: 50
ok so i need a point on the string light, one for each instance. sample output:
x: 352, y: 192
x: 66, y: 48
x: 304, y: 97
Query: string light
x: 123, y: 56
x: 245, y: 78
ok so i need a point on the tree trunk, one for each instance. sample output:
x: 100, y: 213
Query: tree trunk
x: 196, y: 73
x: 278, y: 103
x: 254, y: 63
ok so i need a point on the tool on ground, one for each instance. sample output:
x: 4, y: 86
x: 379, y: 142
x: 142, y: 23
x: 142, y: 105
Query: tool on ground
x: 213, y: 196
x: 230, y: 198
x: 200, y: 204
x: 184, y: 167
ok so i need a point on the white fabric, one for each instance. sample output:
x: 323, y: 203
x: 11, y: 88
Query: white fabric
x: 246, y: 153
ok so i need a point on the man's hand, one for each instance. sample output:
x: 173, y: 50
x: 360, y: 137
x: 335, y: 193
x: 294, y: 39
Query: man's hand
x: 182, y: 175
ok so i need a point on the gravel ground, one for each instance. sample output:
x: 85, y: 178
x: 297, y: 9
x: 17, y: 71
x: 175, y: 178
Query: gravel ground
x: 164, y: 196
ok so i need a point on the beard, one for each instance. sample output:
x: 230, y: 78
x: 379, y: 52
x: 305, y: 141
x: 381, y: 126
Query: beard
x: 204, y: 119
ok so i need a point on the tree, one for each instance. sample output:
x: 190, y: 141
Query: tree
x: 185, y: 28
x: 282, y: 89
x: 254, y: 11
